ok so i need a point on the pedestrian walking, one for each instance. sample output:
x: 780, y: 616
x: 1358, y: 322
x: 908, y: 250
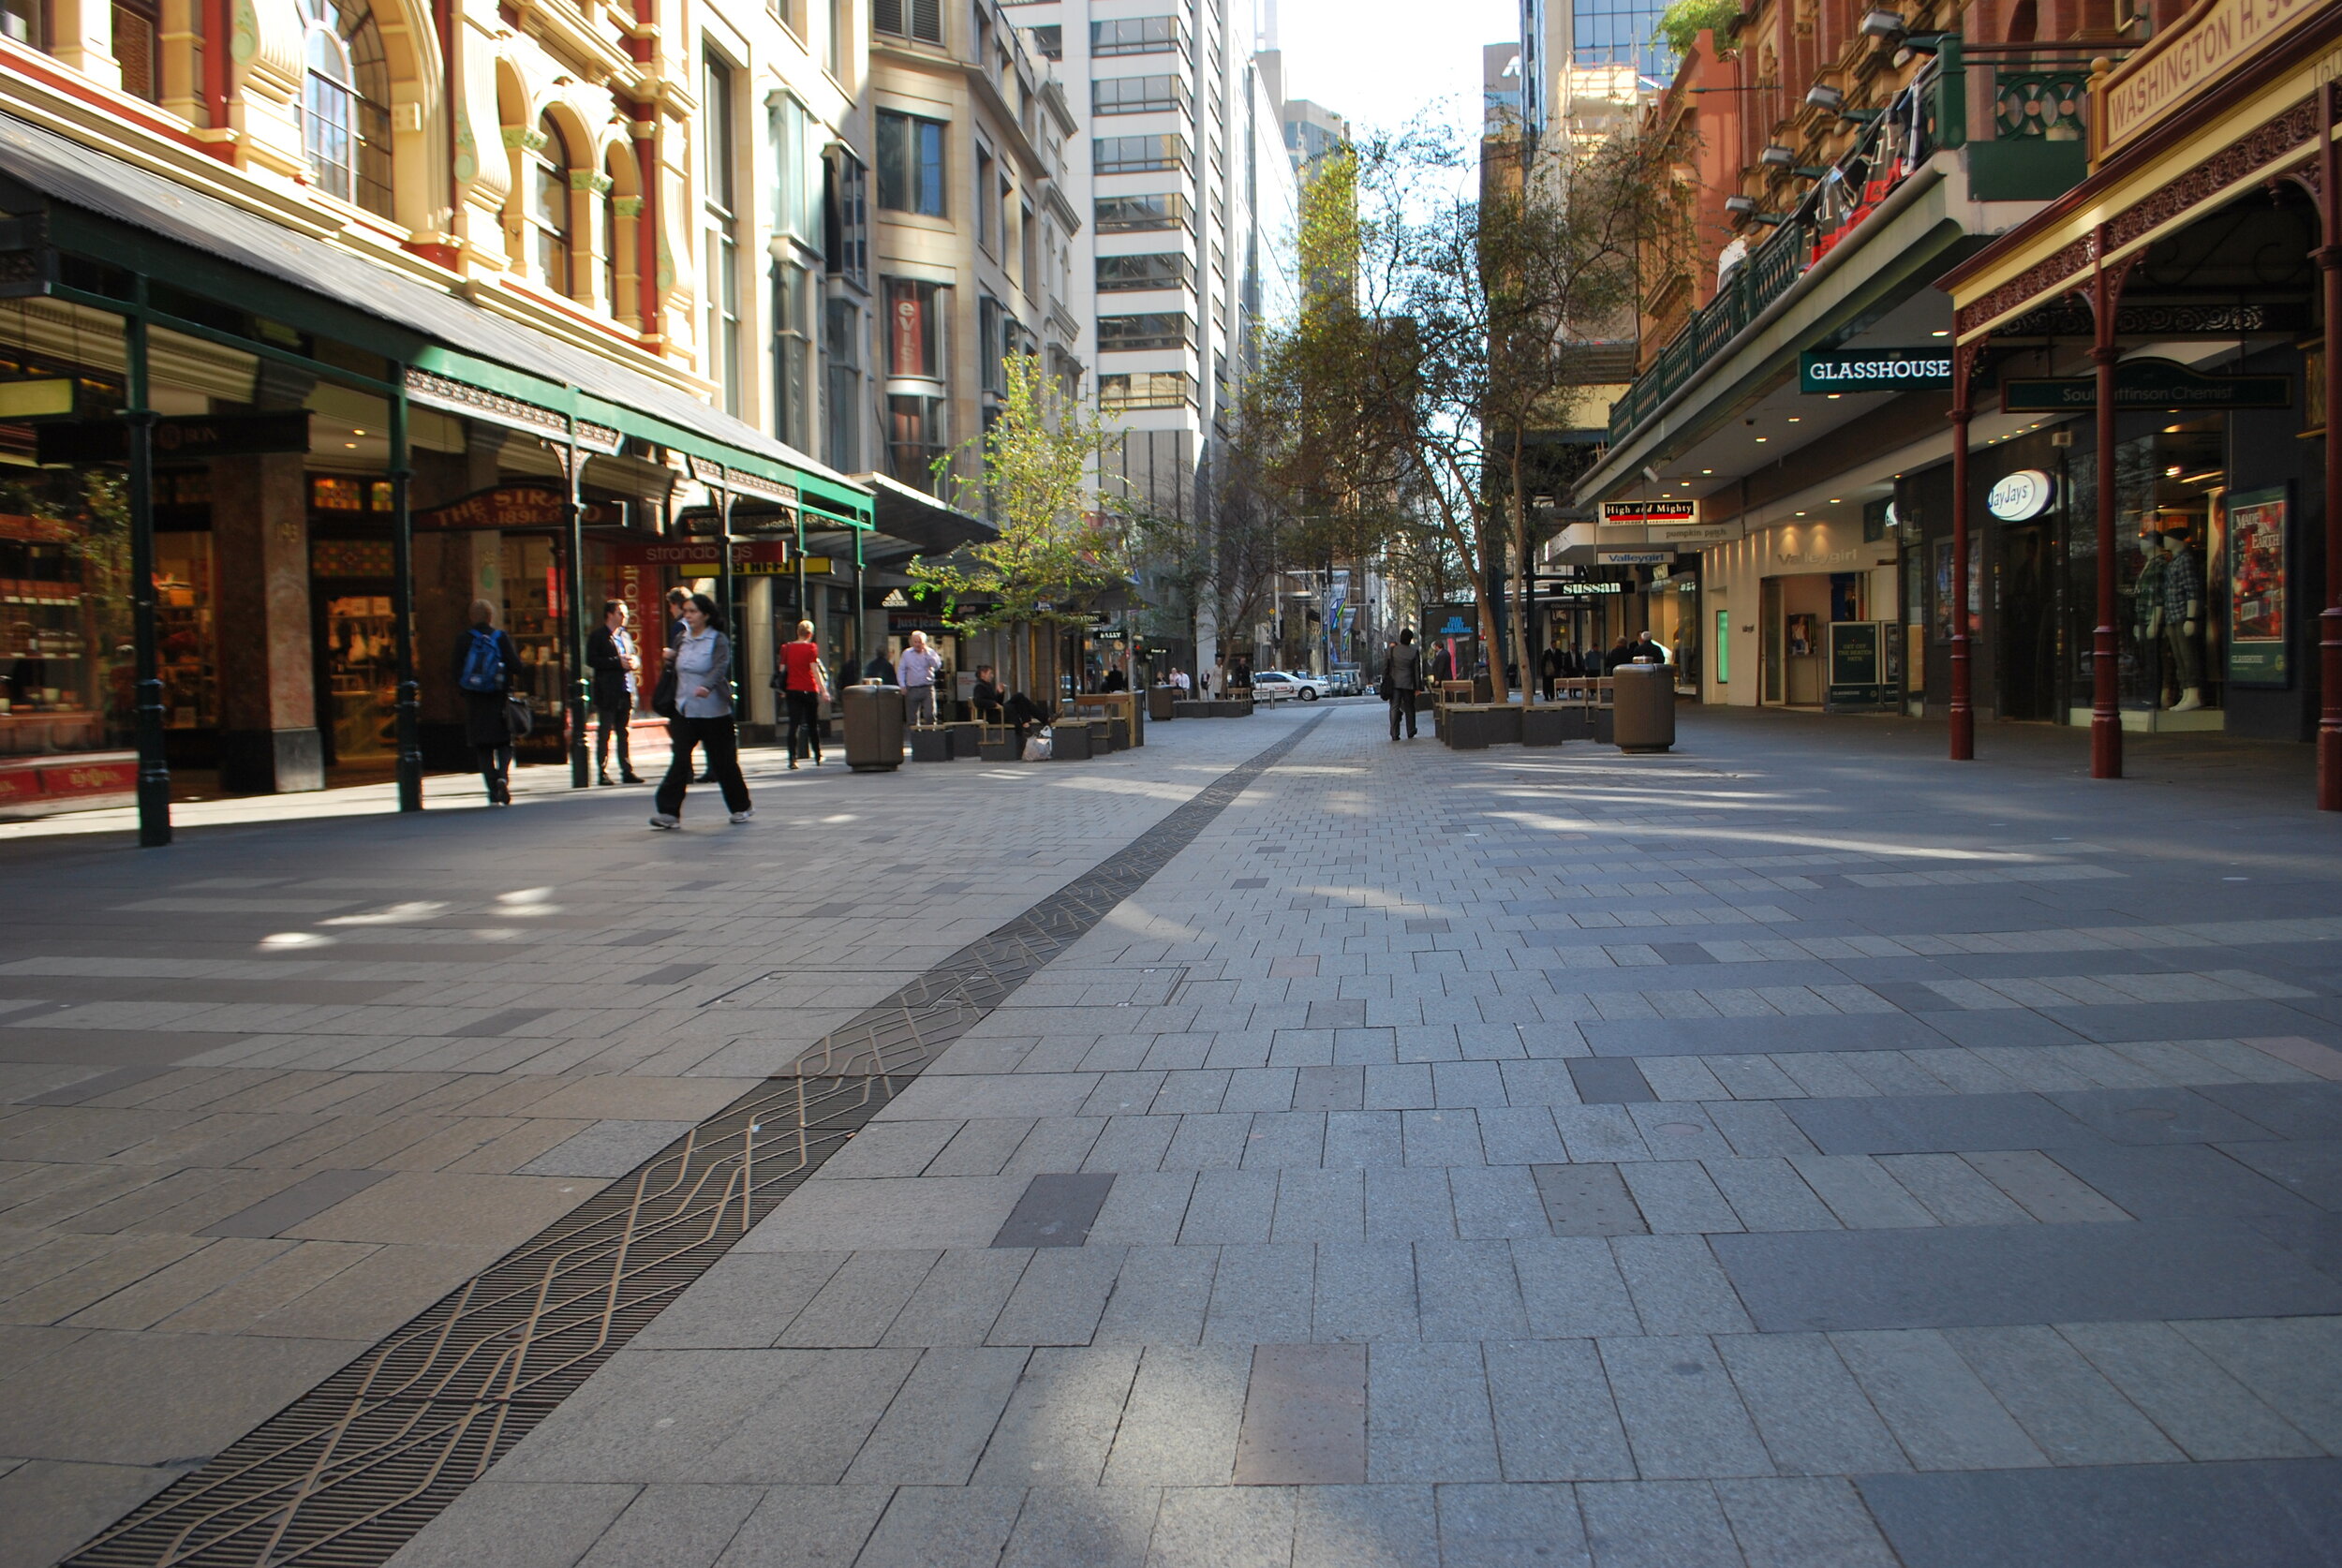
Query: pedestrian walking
x: 676, y: 626
x: 1550, y: 670
x: 618, y: 676
x: 1647, y: 650
x: 915, y: 671
x: 1622, y: 652
x: 485, y: 663
x: 703, y: 662
x: 804, y: 687
x: 1402, y: 673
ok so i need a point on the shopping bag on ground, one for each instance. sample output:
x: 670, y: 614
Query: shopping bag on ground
x: 1037, y: 750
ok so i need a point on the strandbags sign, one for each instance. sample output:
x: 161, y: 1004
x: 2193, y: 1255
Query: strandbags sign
x: 2149, y: 383
x: 1874, y: 369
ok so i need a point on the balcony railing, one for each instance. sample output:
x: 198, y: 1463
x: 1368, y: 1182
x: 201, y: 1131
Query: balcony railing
x: 2035, y: 153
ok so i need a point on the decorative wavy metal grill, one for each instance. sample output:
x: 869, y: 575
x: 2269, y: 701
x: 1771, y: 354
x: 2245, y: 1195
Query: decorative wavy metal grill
x: 350, y: 1472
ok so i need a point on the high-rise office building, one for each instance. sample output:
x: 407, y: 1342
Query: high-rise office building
x: 1180, y: 170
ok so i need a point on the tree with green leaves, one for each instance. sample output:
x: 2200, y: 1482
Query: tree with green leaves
x: 1034, y: 469
x: 1442, y: 326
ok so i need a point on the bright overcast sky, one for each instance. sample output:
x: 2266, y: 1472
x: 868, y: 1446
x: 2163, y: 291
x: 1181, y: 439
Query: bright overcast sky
x: 1379, y: 62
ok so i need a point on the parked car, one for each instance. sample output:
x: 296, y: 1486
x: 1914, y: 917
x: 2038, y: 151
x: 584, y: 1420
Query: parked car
x: 1273, y: 686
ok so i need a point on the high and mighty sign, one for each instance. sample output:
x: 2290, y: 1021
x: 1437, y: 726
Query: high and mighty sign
x: 1649, y: 511
x: 1874, y: 369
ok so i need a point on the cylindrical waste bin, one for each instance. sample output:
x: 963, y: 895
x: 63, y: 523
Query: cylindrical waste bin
x: 874, y: 727
x: 1159, y: 700
x: 1642, y: 707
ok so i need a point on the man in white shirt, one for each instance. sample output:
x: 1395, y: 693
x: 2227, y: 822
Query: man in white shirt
x: 1178, y: 680
x: 915, y: 671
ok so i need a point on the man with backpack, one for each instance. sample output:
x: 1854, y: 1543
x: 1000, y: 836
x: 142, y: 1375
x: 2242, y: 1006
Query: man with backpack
x: 486, y: 664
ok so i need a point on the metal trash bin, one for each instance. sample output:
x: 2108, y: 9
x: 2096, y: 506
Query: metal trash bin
x: 874, y: 727
x: 1642, y: 707
x: 1159, y: 700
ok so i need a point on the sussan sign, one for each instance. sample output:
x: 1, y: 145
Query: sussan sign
x: 1874, y: 370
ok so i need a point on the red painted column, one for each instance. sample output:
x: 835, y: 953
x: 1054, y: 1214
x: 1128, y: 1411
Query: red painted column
x: 1963, y: 714
x: 2106, y: 720
x: 2330, y: 620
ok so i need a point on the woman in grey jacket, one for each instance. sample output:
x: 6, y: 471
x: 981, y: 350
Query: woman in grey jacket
x: 703, y: 662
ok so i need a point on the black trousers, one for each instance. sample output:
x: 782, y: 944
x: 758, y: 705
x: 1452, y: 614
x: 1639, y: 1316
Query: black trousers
x: 493, y: 764
x: 804, y: 712
x: 1402, y: 700
x: 721, y: 737
x: 614, y: 721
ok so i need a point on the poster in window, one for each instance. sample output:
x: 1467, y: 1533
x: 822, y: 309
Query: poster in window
x: 2257, y: 587
x: 909, y: 354
x: 1942, y: 599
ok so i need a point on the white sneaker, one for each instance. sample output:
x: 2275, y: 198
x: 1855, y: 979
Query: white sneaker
x: 661, y: 819
x: 743, y: 816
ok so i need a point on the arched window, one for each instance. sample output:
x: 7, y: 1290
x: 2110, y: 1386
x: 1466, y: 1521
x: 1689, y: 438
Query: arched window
x: 346, y: 116
x: 548, y: 209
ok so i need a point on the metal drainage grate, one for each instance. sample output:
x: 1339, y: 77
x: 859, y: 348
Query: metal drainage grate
x: 348, y: 1472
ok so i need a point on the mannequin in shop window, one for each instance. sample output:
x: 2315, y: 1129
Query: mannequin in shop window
x: 2147, y: 615
x: 2182, y: 617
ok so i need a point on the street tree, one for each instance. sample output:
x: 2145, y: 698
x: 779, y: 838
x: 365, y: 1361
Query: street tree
x: 1438, y: 328
x: 1059, y: 542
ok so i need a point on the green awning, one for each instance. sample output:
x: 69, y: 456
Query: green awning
x: 131, y: 217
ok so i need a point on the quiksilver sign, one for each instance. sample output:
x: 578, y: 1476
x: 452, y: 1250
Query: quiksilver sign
x: 1874, y: 369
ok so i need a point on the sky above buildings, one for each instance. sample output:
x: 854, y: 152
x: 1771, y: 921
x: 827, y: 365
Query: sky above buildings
x: 1381, y: 62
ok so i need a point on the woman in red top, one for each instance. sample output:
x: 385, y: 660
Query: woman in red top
x: 802, y: 687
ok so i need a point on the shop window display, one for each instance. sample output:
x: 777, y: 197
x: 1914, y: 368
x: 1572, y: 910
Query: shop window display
x: 532, y: 616
x: 2169, y: 490
x: 65, y: 666
x: 185, y: 647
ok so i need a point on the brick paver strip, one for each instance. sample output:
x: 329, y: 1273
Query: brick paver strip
x: 348, y: 1472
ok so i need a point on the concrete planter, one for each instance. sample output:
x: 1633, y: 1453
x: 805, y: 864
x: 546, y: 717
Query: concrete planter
x: 1069, y: 741
x: 1218, y: 707
x: 1007, y: 748
x: 929, y: 742
x: 966, y: 739
x: 1546, y: 725
x: 1476, y: 726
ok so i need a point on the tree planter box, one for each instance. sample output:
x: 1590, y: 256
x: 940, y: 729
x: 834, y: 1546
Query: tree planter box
x: 1602, y: 725
x: 1476, y: 726
x: 1069, y: 741
x: 1546, y: 725
x: 966, y: 740
x: 1118, y: 734
x: 930, y: 744
x: 1007, y: 748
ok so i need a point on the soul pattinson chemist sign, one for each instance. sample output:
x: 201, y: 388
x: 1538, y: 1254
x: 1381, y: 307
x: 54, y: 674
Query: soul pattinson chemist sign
x: 1874, y: 369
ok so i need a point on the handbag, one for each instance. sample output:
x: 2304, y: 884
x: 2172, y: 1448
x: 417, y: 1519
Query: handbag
x: 518, y: 717
x: 663, y: 696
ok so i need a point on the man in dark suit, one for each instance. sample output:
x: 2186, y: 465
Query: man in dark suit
x: 618, y: 670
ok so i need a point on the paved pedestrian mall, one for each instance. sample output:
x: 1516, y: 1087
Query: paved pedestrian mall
x: 1274, y: 1145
